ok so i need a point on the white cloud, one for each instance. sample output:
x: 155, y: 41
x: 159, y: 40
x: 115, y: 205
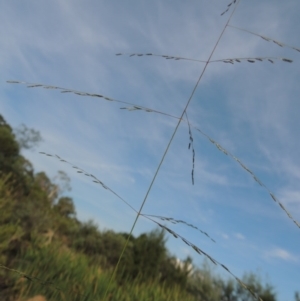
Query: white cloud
x: 251, y: 109
x: 281, y: 254
x: 225, y: 236
x: 239, y: 236
x: 290, y: 197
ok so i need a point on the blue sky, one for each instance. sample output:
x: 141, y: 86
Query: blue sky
x: 251, y: 109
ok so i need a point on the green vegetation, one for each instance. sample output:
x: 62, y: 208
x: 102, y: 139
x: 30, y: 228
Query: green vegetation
x: 45, y: 250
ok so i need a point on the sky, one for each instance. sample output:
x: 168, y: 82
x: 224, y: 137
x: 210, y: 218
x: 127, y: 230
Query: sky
x: 250, y: 109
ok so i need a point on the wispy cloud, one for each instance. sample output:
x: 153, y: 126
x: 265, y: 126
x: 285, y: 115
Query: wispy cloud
x: 239, y: 236
x: 250, y: 109
x: 225, y: 236
x: 290, y: 197
x: 280, y: 254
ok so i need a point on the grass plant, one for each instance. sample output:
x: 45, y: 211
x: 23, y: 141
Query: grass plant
x: 64, y: 267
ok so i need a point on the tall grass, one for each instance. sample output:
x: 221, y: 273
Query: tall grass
x: 64, y: 267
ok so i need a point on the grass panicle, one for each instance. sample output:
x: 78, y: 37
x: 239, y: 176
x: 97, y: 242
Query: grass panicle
x: 227, y: 60
x: 191, y: 146
x: 179, y: 221
x: 164, y: 227
x: 278, y: 43
x: 97, y: 181
x: 135, y: 107
x: 229, y: 6
x: 145, y: 109
x: 255, y: 178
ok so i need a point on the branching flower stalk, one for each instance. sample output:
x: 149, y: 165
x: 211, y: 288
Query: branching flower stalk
x: 278, y: 43
x: 168, y: 146
x: 134, y: 107
x: 227, y: 60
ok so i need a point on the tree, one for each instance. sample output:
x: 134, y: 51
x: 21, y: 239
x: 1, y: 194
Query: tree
x: 65, y: 207
x: 8, y: 230
x: 50, y: 189
x: 12, y: 162
x: 204, y: 285
x: 27, y: 138
x: 9, y: 147
x: 54, y: 188
x: 32, y: 196
x: 62, y: 182
x: 232, y: 291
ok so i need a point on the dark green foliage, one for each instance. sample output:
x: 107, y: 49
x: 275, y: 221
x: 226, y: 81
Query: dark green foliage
x: 149, y: 252
x: 145, y: 259
x: 69, y: 276
x: 204, y: 285
x: 65, y: 207
x: 8, y: 230
x: 11, y: 162
x: 9, y: 146
x: 27, y: 138
x: 87, y: 239
x: 232, y: 291
x: 49, y: 189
